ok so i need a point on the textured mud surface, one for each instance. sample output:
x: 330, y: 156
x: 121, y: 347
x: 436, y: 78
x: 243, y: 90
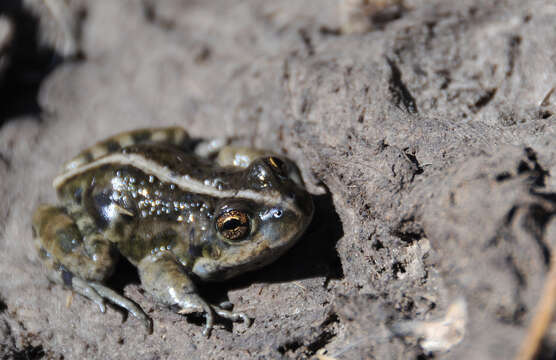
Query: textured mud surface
x: 429, y: 143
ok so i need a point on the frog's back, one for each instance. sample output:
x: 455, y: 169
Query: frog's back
x: 174, y: 136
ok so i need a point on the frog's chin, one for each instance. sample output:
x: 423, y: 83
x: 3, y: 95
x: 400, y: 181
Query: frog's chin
x: 222, y: 269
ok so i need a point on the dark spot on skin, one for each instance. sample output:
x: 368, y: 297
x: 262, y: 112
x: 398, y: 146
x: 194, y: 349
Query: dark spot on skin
x: 67, y: 276
x: 43, y: 254
x: 211, y: 251
x: 67, y: 239
x: 88, y: 229
x: 102, y: 201
x: 119, y: 228
x: 87, y: 156
x: 195, y: 251
x: 135, y: 249
x: 164, y: 238
x: 77, y: 194
x: 141, y: 136
x: 112, y: 146
x: 33, y: 231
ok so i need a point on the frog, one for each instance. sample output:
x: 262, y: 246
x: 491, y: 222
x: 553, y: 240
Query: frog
x: 182, y: 211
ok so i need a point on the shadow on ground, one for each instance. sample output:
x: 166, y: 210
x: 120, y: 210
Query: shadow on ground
x: 30, y: 62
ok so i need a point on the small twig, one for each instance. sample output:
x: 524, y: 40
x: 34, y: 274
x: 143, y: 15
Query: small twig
x: 69, y: 299
x: 546, y: 100
x: 296, y: 283
x: 543, y: 316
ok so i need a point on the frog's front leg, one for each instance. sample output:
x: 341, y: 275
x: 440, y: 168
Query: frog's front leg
x: 79, y: 258
x: 166, y: 279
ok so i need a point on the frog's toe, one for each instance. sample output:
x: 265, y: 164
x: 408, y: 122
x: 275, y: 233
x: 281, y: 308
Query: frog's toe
x: 193, y: 303
x: 232, y: 316
x: 82, y: 287
x: 97, y: 293
x: 226, y: 305
x: 123, y: 302
x: 209, y: 324
x: 209, y: 317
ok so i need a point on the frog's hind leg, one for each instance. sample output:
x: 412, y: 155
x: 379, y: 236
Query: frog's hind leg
x: 166, y: 279
x: 61, y: 245
x: 79, y: 258
x: 169, y: 135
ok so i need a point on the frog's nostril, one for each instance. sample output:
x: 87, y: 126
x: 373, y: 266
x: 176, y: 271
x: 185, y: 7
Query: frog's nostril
x: 277, y: 213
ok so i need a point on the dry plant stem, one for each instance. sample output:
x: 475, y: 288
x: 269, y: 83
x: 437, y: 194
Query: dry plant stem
x: 543, y: 317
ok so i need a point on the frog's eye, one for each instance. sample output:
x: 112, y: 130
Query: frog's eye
x: 285, y: 170
x: 233, y: 225
x: 277, y: 164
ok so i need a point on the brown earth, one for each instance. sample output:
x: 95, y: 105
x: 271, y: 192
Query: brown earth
x: 429, y: 143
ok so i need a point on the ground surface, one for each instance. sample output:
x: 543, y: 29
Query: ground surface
x: 429, y: 143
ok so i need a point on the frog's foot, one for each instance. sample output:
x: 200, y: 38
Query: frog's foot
x: 195, y: 304
x: 232, y: 316
x: 97, y: 293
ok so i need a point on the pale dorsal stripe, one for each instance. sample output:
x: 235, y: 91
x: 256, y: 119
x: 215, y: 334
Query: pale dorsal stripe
x: 184, y: 182
x: 172, y: 135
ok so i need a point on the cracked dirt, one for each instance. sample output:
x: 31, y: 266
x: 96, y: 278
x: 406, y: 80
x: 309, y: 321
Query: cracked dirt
x: 429, y: 143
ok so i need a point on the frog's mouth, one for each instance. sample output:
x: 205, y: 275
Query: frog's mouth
x: 229, y: 266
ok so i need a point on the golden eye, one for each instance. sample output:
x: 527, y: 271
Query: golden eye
x: 233, y: 225
x: 278, y: 165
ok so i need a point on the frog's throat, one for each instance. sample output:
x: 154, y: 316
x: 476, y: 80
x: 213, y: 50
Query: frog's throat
x: 184, y: 182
